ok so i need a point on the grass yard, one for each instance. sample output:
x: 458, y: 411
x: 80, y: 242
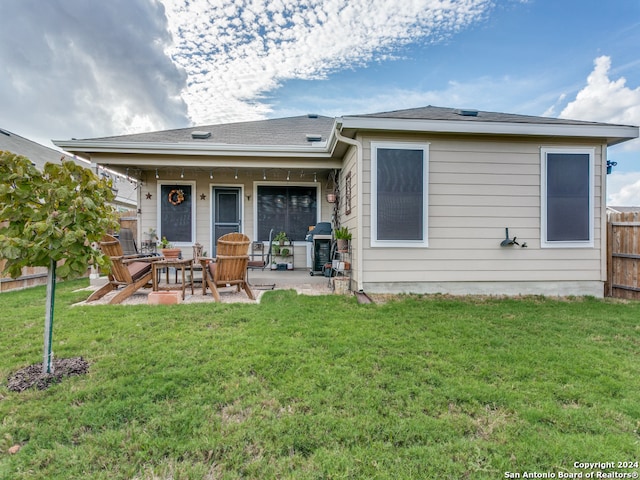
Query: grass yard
x: 323, y: 388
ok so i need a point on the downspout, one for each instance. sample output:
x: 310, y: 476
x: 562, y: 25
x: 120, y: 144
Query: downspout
x: 359, y: 200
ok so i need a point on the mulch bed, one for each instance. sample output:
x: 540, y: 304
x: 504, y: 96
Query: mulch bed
x: 32, y: 375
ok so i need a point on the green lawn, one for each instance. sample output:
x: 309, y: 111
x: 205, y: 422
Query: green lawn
x: 322, y: 387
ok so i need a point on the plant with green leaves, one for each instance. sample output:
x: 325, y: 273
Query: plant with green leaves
x: 342, y: 233
x: 164, y: 243
x: 281, y: 238
x: 50, y: 219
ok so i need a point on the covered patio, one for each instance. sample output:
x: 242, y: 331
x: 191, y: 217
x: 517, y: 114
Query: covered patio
x: 261, y: 281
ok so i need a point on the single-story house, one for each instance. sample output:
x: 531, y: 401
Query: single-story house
x: 437, y: 199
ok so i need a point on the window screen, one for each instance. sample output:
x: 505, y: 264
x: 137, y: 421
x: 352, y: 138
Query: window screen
x: 289, y: 209
x: 568, y: 197
x: 400, y: 194
x: 176, y: 216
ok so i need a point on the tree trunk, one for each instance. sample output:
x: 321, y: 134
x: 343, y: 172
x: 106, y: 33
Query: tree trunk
x: 47, y: 364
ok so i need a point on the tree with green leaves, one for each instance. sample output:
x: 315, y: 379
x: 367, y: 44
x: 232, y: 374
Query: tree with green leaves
x: 51, y: 219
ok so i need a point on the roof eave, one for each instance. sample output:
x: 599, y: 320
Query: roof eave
x: 613, y: 133
x: 315, y: 149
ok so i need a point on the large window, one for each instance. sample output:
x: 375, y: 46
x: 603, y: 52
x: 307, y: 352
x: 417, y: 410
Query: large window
x: 290, y: 208
x: 399, y: 193
x: 176, y: 212
x: 567, y: 197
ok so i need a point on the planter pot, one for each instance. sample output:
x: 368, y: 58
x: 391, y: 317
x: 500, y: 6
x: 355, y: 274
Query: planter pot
x: 164, y: 298
x: 343, y: 245
x: 274, y: 266
x: 289, y: 266
x: 331, y: 197
x: 171, y: 252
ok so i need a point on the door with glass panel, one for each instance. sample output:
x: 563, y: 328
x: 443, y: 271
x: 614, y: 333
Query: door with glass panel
x: 227, y: 213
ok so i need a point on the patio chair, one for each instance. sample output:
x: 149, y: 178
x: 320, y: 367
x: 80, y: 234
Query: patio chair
x: 129, y: 271
x: 229, y: 267
x: 128, y: 243
x: 260, y: 261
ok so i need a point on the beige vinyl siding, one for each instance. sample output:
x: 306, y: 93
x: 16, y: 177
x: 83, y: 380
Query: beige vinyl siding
x: 477, y: 188
x: 351, y: 220
x: 247, y: 181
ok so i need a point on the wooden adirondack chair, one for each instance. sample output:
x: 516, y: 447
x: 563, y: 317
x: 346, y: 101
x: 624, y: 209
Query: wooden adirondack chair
x: 131, y: 272
x: 229, y: 267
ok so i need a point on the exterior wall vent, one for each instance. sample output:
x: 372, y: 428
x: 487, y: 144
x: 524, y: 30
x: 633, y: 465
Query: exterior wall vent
x: 314, y: 137
x: 312, y: 115
x: 200, y: 134
x: 467, y: 113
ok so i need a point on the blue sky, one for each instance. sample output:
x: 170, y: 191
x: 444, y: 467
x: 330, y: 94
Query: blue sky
x: 88, y: 69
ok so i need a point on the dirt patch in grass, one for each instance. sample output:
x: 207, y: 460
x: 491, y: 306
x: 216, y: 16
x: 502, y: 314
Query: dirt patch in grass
x: 32, y: 376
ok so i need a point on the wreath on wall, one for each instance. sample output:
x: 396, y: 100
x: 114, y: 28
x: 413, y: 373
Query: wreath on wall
x: 176, y: 196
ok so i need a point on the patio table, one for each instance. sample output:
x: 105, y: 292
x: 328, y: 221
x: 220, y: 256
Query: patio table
x: 177, y: 264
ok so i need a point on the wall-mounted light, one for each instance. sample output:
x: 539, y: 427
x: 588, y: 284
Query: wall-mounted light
x: 248, y: 198
x: 157, y: 176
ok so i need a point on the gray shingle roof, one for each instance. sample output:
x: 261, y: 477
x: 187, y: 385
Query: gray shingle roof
x: 278, y: 131
x: 39, y: 155
x: 453, y: 114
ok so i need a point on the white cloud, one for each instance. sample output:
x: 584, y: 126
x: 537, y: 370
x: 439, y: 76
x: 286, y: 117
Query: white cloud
x: 236, y: 51
x: 81, y: 69
x: 606, y: 100
x: 624, y: 189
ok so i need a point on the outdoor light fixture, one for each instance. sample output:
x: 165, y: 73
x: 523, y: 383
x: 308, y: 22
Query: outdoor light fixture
x: 182, y: 173
x: 157, y: 176
x: 264, y: 174
x: 236, y: 176
x: 211, y: 175
x: 288, y: 175
x: 315, y: 178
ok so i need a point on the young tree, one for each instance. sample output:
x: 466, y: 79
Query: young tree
x: 50, y: 219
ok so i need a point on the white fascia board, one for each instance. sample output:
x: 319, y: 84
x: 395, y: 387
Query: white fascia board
x: 614, y: 133
x: 317, y: 149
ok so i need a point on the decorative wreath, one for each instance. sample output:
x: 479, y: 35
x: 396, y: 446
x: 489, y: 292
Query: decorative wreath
x: 176, y: 197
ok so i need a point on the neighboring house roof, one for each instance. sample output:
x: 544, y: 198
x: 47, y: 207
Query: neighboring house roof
x: 631, y: 209
x: 39, y: 155
x: 314, y: 136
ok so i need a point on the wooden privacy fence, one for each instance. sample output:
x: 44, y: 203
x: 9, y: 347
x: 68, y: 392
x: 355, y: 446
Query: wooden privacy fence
x: 623, y: 255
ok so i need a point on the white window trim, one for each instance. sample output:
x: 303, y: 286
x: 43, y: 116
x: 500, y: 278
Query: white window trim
x: 374, y: 194
x: 544, y: 243
x: 285, y: 184
x: 194, y: 206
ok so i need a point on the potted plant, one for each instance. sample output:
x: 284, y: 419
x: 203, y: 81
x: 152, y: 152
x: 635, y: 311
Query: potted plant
x: 278, y: 241
x: 168, y: 249
x: 343, y: 236
x: 281, y: 238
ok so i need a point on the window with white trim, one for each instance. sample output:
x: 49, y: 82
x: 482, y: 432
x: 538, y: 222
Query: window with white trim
x: 176, y: 212
x: 286, y: 208
x: 567, y: 197
x: 399, y: 194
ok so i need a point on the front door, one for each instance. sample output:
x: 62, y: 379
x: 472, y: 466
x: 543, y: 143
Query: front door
x: 227, y: 212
